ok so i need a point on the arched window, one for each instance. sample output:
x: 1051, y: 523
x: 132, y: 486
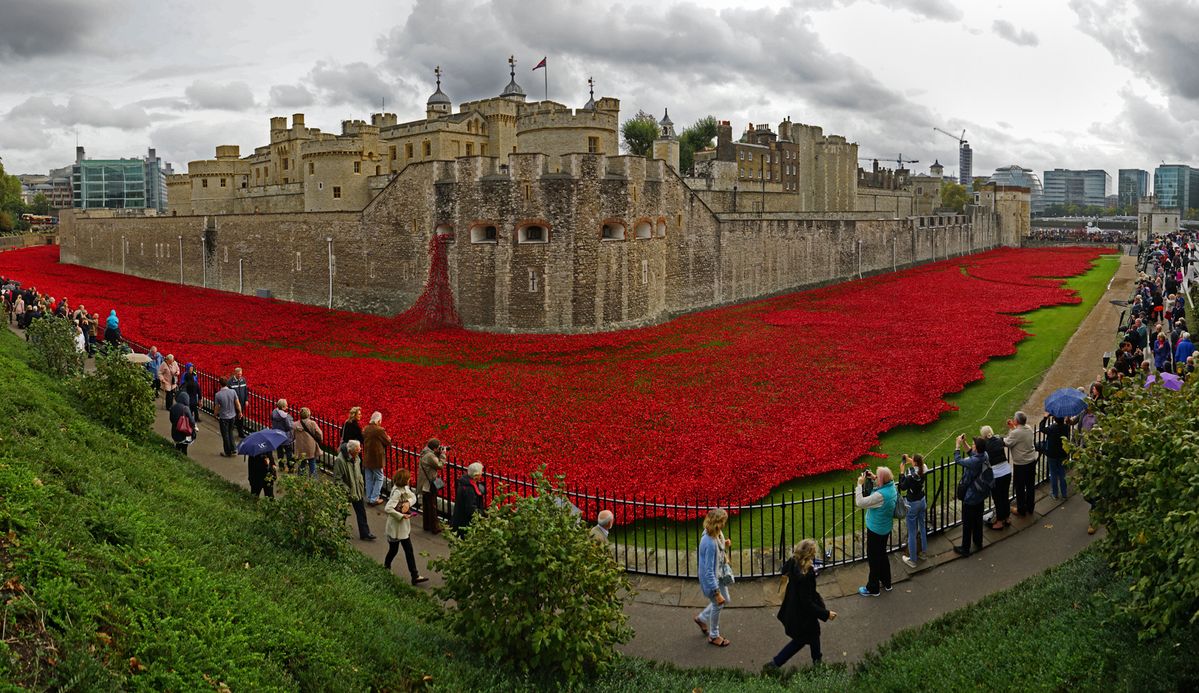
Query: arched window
x: 661, y: 231
x: 533, y: 233
x: 612, y: 231
x: 643, y: 230
x: 484, y: 233
x: 444, y: 230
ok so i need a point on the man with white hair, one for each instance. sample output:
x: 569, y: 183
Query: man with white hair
x: 599, y: 533
x: 375, y: 442
x: 347, y: 473
x: 879, y: 504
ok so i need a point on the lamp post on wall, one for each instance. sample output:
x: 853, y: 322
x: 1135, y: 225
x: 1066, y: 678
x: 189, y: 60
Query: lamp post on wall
x: 239, y: 275
x: 859, y: 258
x: 181, y: 259
x: 329, y: 240
x: 894, y: 255
x: 123, y: 243
x: 203, y: 265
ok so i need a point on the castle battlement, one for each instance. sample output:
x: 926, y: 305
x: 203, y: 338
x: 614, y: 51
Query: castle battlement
x: 345, y: 146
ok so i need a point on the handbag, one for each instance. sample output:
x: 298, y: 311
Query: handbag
x: 901, y: 507
x: 724, y: 575
x: 438, y: 484
x: 963, y: 487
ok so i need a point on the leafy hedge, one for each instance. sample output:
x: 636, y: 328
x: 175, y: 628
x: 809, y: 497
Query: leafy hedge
x: 1139, y: 465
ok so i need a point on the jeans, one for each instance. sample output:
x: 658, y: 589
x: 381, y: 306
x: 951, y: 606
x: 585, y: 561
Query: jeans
x: 170, y: 399
x: 1025, y: 477
x: 1001, y: 498
x: 917, y: 529
x: 972, y: 526
x: 227, y: 436
x: 312, y: 467
x: 241, y: 423
x: 880, y: 567
x: 711, y: 613
x: 790, y: 649
x: 374, y: 484
x: 393, y: 547
x: 1057, y: 477
x: 364, y: 528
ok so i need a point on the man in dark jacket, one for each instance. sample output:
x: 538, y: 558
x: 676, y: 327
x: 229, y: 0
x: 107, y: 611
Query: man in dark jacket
x: 237, y: 383
x: 471, y: 498
x: 1055, y: 431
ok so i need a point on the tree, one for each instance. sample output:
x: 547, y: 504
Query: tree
x: 6, y: 223
x: 693, y: 138
x: 639, y: 133
x: 40, y: 205
x: 529, y: 589
x: 955, y: 196
x: 118, y: 394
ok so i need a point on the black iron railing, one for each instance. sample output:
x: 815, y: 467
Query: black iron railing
x: 660, y: 536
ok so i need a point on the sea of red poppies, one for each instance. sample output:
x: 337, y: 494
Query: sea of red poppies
x: 725, y: 403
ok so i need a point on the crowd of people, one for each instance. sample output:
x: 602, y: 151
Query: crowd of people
x: 1083, y: 234
x: 23, y: 306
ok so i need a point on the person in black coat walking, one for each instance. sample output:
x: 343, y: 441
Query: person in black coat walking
x: 181, y: 410
x: 262, y: 473
x: 470, y: 499
x: 803, y: 608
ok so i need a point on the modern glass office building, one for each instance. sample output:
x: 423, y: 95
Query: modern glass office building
x: 1024, y: 178
x: 1176, y: 186
x: 1086, y: 188
x: 119, y: 183
x: 1132, y: 184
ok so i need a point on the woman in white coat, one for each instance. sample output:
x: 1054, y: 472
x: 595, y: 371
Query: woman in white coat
x: 399, y: 524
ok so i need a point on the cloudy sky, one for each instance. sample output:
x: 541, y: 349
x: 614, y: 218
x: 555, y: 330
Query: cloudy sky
x: 1042, y: 83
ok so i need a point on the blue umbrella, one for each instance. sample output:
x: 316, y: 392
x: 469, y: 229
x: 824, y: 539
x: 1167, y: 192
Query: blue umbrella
x: 1066, y: 401
x: 262, y: 442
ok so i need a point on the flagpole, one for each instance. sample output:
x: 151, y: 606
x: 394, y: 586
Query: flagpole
x: 546, y: 74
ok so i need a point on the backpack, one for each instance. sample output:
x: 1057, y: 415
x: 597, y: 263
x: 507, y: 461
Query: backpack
x: 900, y: 511
x: 183, y: 426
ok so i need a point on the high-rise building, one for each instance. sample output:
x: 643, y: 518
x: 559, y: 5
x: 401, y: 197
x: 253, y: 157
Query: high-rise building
x: 119, y: 183
x: 965, y: 164
x: 1085, y: 188
x: 1176, y: 186
x: 1132, y: 185
x: 1019, y: 176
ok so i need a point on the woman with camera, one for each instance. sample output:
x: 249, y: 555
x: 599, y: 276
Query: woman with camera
x: 973, y: 489
x: 911, y: 482
x: 879, y: 504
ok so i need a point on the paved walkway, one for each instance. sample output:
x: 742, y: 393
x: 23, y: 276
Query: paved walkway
x: 662, y: 611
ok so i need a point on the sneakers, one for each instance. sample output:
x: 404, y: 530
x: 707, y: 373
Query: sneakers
x: 863, y: 592
x: 909, y: 562
x: 419, y: 579
x: 888, y: 588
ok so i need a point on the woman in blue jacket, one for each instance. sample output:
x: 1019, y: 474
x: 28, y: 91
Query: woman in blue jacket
x: 1162, y: 354
x: 712, y: 556
x: 978, y: 479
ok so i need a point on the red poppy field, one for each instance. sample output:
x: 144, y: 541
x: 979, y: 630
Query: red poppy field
x: 739, y: 399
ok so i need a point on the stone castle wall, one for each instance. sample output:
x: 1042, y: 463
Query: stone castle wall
x: 668, y: 253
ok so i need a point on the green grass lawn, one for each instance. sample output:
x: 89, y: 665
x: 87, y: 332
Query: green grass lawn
x: 1007, y: 383
x: 124, y: 566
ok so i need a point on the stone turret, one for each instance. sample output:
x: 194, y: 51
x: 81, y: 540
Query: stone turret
x: 513, y: 91
x: 666, y: 146
x: 439, y: 103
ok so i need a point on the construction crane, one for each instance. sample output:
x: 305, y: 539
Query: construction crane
x: 965, y: 156
x: 899, y: 160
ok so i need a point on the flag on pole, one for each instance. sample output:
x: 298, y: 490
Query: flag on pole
x: 539, y: 65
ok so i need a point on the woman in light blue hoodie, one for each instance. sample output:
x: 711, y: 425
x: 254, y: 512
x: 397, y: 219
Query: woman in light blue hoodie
x: 712, y: 555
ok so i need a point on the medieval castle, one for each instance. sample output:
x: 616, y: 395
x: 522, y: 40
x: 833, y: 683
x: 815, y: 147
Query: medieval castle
x: 553, y: 229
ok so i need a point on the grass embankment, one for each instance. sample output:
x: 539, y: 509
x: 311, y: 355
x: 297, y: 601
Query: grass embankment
x: 1006, y: 385
x: 125, y: 566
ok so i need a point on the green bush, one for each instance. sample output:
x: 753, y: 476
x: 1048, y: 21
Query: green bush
x: 53, y: 342
x: 118, y: 394
x: 1138, y: 465
x: 308, y: 515
x: 532, y: 591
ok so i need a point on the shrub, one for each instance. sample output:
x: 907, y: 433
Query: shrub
x: 531, y: 590
x: 1137, y: 466
x: 53, y: 342
x: 308, y: 515
x: 118, y: 394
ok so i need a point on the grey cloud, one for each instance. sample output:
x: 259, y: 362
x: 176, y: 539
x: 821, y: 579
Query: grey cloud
x: 80, y: 110
x: 1008, y: 31
x: 48, y: 27
x: 291, y: 96
x: 941, y: 10
x: 1156, y: 39
x: 356, y: 84
x: 178, y: 70
x: 231, y: 96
